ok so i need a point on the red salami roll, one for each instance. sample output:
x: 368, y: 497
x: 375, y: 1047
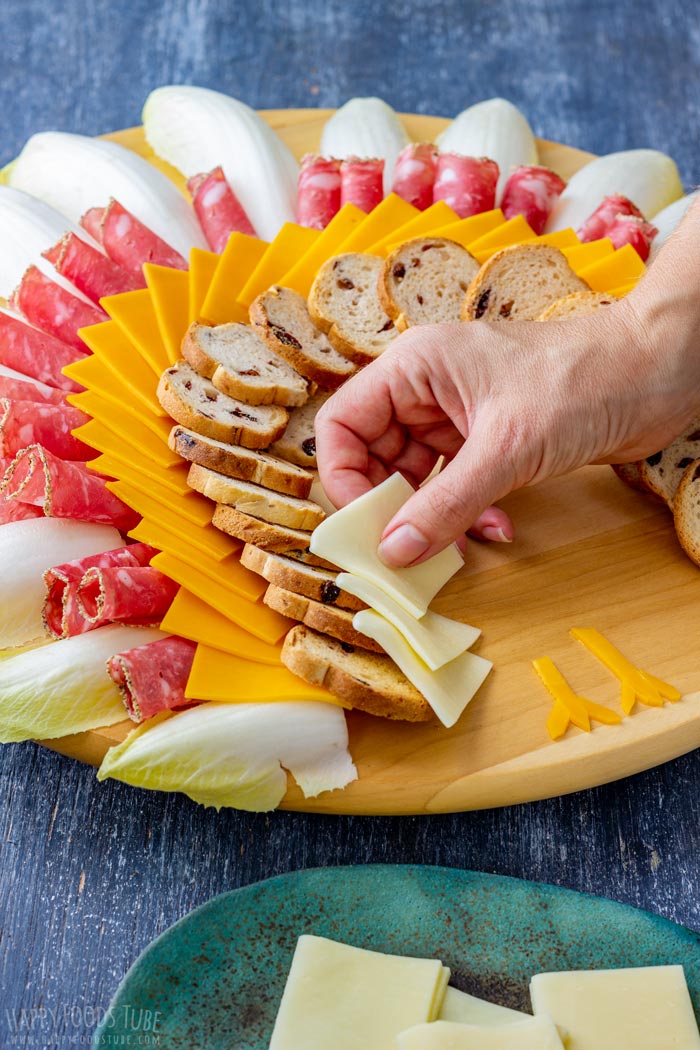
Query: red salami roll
x: 629, y: 229
x: 62, y: 615
x: 131, y: 244
x: 531, y: 192
x: 218, y: 209
x: 318, y: 191
x: 598, y: 224
x: 63, y: 489
x: 136, y: 595
x: 361, y: 183
x: 10, y: 510
x: 91, y: 222
x: 53, y: 309
x: 467, y: 184
x: 36, y: 353
x: 25, y: 423
x: 89, y: 270
x: 20, y: 388
x: 153, y: 677
x: 414, y: 175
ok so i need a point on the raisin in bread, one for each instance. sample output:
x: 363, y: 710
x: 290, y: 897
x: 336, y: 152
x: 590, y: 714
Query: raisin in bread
x: 327, y: 619
x: 291, y: 575
x: 298, y: 442
x: 661, y: 473
x: 344, y: 303
x: 424, y: 281
x: 519, y: 283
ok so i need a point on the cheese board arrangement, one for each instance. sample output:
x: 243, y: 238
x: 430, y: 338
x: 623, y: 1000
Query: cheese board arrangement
x: 182, y: 606
x: 413, y: 958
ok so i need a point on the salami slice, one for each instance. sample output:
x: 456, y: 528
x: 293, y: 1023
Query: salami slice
x: 599, y: 222
x: 629, y: 229
x: 467, y: 184
x: 414, y: 175
x: 318, y: 191
x: 131, y: 244
x: 63, y: 489
x: 10, y: 510
x: 89, y: 270
x: 22, y: 388
x: 218, y: 209
x: 361, y: 183
x: 62, y: 615
x: 53, y: 309
x: 153, y: 677
x: 532, y: 192
x: 91, y: 221
x: 135, y: 595
x: 36, y: 353
x: 25, y: 423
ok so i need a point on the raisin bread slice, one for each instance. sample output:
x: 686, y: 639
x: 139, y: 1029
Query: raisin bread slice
x: 277, y: 538
x: 241, y: 365
x: 367, y: 681
x: 577, y: 305
x: 281, y: 317
x: 298, y: 442
x: 324, y: 618
x: 254, y: 500
x: 424, y: 281
x: 686, y: 511
x: 631, y: 474
x: 661, y: 473
x: 344, y: 303
x: 291, y: 575
x: 519, y: 283
x: 194, y: 401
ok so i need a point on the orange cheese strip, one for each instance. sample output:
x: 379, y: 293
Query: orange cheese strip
x: 219, y: 676
x: 142, y: 472
x: 635, y: 683
x: 95, y: 376
x: 170, y: 294
x: 301, y: 276
x: 423, y: 224
x: 190, y: 507
x: 568, y: 707
x: 217, y: 569
x: 136, y: 316
x: 191, y: 618
x: 581, y: 255
x: 515, y: 231
x: 290, y: 243
x: 125, y: 420
x: 622, y: 266
x: 238, y: 259
x: 158, y: 524
x: 559, y: 239
x: 233, y: 578
x: 116, y: 352
x: 619, y: 293
x: 391, y: 214
x: 103, y: 439
x: 466, y: 231
x: 202, y: 268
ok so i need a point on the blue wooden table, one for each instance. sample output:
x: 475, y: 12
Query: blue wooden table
x: 90, y: 873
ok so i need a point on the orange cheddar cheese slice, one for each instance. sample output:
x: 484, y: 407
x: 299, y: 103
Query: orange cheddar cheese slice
x: 225, y: 575
x: 423, y: 224
x: 581, y: 255
x: 466, y: 231
x: 390, y: 214
x: 191, y: 506
x: 202, y: 268
x: 146, y: 445
x: 117, y: 353
x: 141, y: 472
x: 301, y: 276
x: 624, y: 289
x: 163, y: 529
x: 225, y: 678
x: 193, y: 619
x: 170, y: 294
x: 125, y: 420
x: 559, y: 239
x: 622, y: 266
x: 217, y: 569
x: 95, y: 376
x: 515, y: 231
x: 136, y: 316
x: 238, y: 259
x: 289, y: 245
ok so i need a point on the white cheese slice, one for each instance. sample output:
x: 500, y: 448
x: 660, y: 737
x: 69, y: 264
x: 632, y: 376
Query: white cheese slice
x: 448, y: 690
x: 435, y: 638
x: 468, y: 1009
x: 350, y: 538
x: 534, y: 1033
x: 338, y: 997
x: 648, y: 1008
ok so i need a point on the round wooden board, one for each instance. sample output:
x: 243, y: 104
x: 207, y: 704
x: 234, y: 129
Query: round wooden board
x: 589, y: 552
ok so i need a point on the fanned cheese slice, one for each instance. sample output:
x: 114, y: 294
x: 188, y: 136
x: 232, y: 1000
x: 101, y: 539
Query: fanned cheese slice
x: 128, y: 369
x: 229, y: 679
x: 621, y: 267
x: 301, y: 275
x: 136, y: 316
x: 239, y: 258
x: 192, y: 618
x: 390, y: 215
x: 290, y: 243
x: 515, y: 231
x: 460, y: 1006
x: 449, y: 690
x: 467, y: 231
x: 170, y: 294
x: 581, y: 255
x: 534, y: 1033
x: 201, y: 273
x: 350, y: 539
x: 422, y: 225
x: 338, y: 997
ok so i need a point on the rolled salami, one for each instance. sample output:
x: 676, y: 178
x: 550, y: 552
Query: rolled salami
x: 318, y: 191
x: 131, y: 244
x: 91, y: 221
x: 531, y: 192
x: 414, y: 175
x: 89, y: 270
x: 629, y: 229
x: 25, y: 423
x: 10, y: 510
x: 36, y: 353
x: 63, y: 489
x: 361, y: 183
x: 600, y: 221
x: 467, y: 184
x: 137, y: 595
x: 53, y: 309
x: 153, y: 677
x: 22, y: 388
x: 218, y: 209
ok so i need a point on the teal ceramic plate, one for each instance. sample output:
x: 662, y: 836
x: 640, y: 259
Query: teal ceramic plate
x: 215, y: 978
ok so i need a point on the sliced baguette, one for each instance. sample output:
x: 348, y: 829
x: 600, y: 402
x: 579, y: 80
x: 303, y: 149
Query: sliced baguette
x: 241, y: 365
x: 236, y: 462
x: 258, y: 502
x: 631, y: 474
x: 686, y: 511
x: 367, y: 681
x: 325, y: 618
x: 307, y: 580
x: 281, y: 317
x: 577, y: 305
x: 305, y: 557
x: 196, y: 403
x: 424, y: 281
x: 278, y: 538
x: 519, y: 283
x: 661, y: 473
x: 298, y: 442
x: 344, y: 303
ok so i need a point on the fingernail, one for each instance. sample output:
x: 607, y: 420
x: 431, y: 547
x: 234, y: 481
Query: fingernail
x: 490, y: 532
x: 403, y: 546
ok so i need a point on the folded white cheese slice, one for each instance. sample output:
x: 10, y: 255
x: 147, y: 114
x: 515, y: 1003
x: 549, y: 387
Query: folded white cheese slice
x: 534, y: 1033
x: 468, y: 1009
x: 350, y: 538
x: 435, y: 638
x: 447, y: 690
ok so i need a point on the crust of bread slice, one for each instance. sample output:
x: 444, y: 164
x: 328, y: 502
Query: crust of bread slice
x: 631, y: 474
x: 519, y: 283
x: 424, y: 281
x: 369, y: 682
x: 324, y: 618
x: 277, y: 538
x: 307, y: 580
x: 258, y: 502
x: 661, y: 473
x: 305, y: 557
x: 298, y: 442
x: 344, y: 303
x: 686, y: 511
x: 578, y: 304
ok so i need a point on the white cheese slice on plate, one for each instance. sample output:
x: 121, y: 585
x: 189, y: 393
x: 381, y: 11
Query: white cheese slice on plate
x: 534, y: 1033
x: 468, y: 1009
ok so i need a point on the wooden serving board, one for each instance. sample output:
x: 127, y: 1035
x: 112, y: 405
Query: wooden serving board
x: 589, y: 552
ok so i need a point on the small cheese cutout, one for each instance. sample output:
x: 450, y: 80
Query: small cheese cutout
x: 228, y: 679
x: 463, y: 1008
x: 581, y: 255
x: 346, y: 998
x: 421, y: 225
x: 117, y: 354
x: 201, y: 273
x: 534, y: 1033
x: 170, y: 295
x: 191, y: 618
x: 301, y: 275
x: 468, y: 230
x: 448, y: 690
x: 622, y: 266
x: 515, y: 231
x: 350, y: 538
x: 142, y: 472
x: 436, y: 639
x: 238, y: 259
x: 568, y: 707
x: 390, y: 214
x: 158, y: 526
x: 290, y: 243
x: 636, y: 684
x: 646, y: 1008
x: 136, y: 316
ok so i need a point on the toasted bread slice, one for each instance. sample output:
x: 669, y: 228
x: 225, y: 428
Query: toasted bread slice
x: 661, y: 473
x: 258, y: 502
x: 424, y: 281
x: 305, y: 557
x: 307, y: 580
x: 344, y: 303
x: 298, y: 442
x: 577, y: 305
x: 325, y: 618
x: 265, y: 534
x: 631, y: 474
x: 519, y: 283
x: 686, y: 511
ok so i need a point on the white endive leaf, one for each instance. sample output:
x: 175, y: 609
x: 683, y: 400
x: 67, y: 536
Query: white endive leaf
x: 63, y: 687
x: 667, y: 220
x: 196, y: 129
x: 365, y: 127
x: 236, y: 754
x: 73, y: 173
x: 648, y: 178
x: 496, y: 129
